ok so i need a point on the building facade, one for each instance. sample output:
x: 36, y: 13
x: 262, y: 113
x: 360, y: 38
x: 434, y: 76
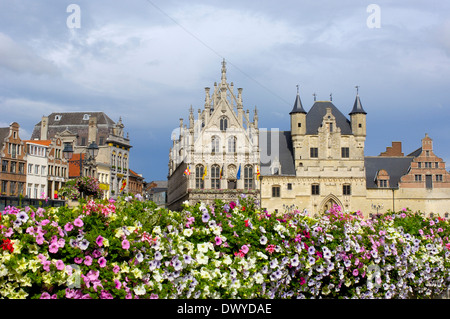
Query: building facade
x: 318, y: 163
x: 217, y: 155
x: 14, y: 160
x: 80, y: 129
x: 37, y: 169
x: 321, y: 162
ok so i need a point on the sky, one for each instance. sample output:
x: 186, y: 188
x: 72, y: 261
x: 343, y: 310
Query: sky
x: 148, y: 61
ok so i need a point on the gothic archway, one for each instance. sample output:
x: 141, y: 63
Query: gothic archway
x: 328, y: 203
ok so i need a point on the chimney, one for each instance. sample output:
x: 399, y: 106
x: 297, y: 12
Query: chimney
x: 92, y: 137
x: 44, y: 128
x: 394, y: 150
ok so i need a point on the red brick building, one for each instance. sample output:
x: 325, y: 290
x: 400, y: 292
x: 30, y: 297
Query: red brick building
x: 14, y: 160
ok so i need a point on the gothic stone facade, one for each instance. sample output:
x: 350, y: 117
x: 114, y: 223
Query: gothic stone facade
x: 319, y: 162
x: 217, y: 156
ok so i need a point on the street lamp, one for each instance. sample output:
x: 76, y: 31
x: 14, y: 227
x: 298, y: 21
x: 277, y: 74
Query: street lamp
x: 92, y: 152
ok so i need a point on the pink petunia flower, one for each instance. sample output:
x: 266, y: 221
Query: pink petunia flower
x: 78, y: 222
x: 118, y: 284
x: 218, y: 240
x: 53, y: 248
x: 125, y: 244
x: 99, y: 241
x: 244, y: 249
x: 116, y: 269
x: 68, y: 227
x: 59, y: 265
x: 78, y: 260
x: 88, y: 261
x: 102, y: 262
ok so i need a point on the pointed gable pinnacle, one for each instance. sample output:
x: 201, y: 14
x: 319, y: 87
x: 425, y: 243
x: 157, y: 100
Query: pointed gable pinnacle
x: 357, y: 107
x: 298, y: 107
x: 224, y: 72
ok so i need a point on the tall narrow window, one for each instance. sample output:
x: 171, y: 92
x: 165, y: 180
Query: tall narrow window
x: 345, y: 152
x: 232, y: 144
x: 314, y: 152
x: 215, y: 144
x: 315, y: 189
x: 215, y: 176
x: 4, y: 166
x: 275, y: 191
x: 199, y: 170
x: 223, y: 123
x: 346, y: 189
x: 248, y: 177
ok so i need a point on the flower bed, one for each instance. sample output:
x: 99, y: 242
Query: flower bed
x: 132, y: 249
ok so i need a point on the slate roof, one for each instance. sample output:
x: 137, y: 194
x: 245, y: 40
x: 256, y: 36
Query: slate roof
x: 76, y: 118
x: 416, y: 153
x: 283, y: 151
x: 396, y: 167
x: 357, y: 107
x: 315, y: 116
x: 298, y: 107
x: 4, y: 132
x: 71, y: 119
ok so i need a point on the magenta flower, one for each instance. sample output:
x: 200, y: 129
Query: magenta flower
x: 355, y: 272
x: 118, y: 284
x: 102, y: 262
x: 218, y: 240
x: 59, y: 265
x: 88, y: 261
x: 78, y: 222
x: 53, y: 248
x: 99, y: 241
x: 78, y: 260
x: 244, y: 249
x: 125, y: 244
x: 68, y: 227
x: 116, y: 269
x: 39, y: 240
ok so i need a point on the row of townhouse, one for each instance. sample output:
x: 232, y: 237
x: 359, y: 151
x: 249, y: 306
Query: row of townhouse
x: 38, y: 167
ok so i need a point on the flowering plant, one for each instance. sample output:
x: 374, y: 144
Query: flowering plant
x: 130, y: 248
x: 81, y: 186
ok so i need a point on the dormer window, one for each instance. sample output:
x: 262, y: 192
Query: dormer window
x: 58, y: 117
x: 86, y: 117
x: 382, y: 179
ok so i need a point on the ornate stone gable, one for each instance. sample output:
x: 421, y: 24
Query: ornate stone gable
x: 218, y: 151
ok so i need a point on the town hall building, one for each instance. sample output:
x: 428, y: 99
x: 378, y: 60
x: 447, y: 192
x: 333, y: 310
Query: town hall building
x: 319, y: 163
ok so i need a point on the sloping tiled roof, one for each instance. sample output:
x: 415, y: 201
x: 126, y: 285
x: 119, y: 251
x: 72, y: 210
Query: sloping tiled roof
x: 396, y: 167
x: 77, y: 118
x: 283, y: 151
x: 4, y: 132
x: 315, y: 116
x: 74, y: 166
x: 40, y: 142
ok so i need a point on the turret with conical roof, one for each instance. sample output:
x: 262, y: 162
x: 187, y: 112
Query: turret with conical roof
x: 358, y: 117
x: 298, y: 117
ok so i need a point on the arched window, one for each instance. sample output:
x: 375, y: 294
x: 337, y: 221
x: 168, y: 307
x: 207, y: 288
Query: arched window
x: 232, y: 144
x: 215, y: 142
x: 199, y: 170
x: 248, y: 177
x: 215, y: 176
x: 223, y: 123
